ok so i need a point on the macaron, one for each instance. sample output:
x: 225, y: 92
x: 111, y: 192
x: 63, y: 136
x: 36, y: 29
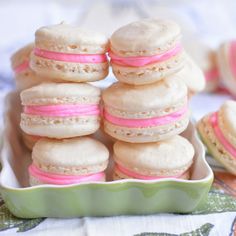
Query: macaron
x: 218, y: 132
x: 68, y: 161
x: 60, y: 110
x: 192, y: 76
x: 25, y: 77
x: 146, y: 113
x: 146, y: 51
x: 171, y: 158
x: 69, y: 53
x: 227, y: 65
x: 205, y: 58
x: 29, y: 140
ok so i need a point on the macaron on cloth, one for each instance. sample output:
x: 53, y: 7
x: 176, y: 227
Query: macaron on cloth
x: 87, y: 160
x: 171, y: 158
x: 146, y: 113
x: 218, y: 132
x: 146, y: 51
x: 60, y: 110
x: 25, y: 77
x: 226, y: 58
x: 69, y: 53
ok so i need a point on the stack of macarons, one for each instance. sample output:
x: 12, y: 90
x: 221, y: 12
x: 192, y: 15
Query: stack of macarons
x: 64, y: 108
x: 218, y: 132
x: 148, y: 108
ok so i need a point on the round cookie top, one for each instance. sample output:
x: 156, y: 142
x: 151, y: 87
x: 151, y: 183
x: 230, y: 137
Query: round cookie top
x: 70, y: 39
x: 76, y: 152
x: 22, y: 55
x: 60, y: 93
x: 192, y: 75
x: 162, y: 94
x: 174, y: 153
x: 227, y: 114
x: 144, y: 38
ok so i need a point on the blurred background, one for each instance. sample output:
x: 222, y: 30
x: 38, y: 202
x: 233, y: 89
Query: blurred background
x: 210, y: 21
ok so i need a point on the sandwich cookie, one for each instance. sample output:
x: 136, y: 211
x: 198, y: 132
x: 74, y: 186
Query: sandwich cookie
x: 60, y: 110
x: 171, y: 158
x: 146, y: 51
x: 218, y: 132
x: 68, y: 161
x: 67, y: 52
x: 146, y: 113
x: 25, y: 77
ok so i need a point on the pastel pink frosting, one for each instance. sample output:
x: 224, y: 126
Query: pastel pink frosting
x: 211, y: 74
x: 135, y: 175
x: 59, y: 179
x: 220, y: 136
x: 232, y: 57
x: 70, y: 57
x: 154, y: 121
x: 63, y: 110
x: 145, y: 60
x: 22, y: 67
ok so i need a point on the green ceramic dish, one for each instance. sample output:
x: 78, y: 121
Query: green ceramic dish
x: 95, y: 199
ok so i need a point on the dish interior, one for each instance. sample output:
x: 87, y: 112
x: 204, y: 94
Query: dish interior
x: 16, y: 157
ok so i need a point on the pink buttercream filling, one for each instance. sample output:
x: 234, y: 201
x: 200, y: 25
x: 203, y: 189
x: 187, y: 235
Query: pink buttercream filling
x: 232, y: 57
x: 145, y: 60
x: 211, y: 74
x: 69, y: 57
x: 22, y: 67
x: 63, y: 110
x: 227, y: 145
x: 50, y: 178
x: 135, y: 175
x: 136, y: 123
